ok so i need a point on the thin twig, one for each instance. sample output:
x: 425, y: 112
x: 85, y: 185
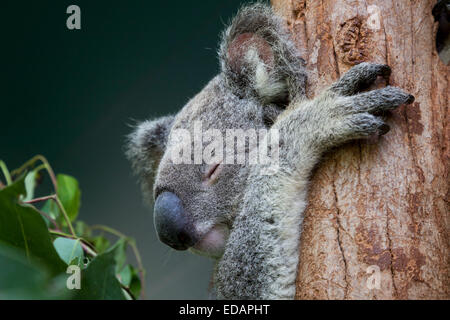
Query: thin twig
x: 128, y: 291
x: 66, y: 217
x: 55, y: 198
x: 49, y: 219
x: 87, y: 249
x: 5, y: 172
x: 108, y: 229
x: 47, y: 167
x: 50, y: 197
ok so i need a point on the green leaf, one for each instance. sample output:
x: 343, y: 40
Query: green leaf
x: 121, y: 254
x: 69, y: 250
x: 51, y: 208
x: 98, y: 280
x: 21, y: 279
x: 129, y: 277
x: 30, y: 184
x: 125, y: 275
x: 82, y: 229
x: 22, y: 227
x: 100, y: 243
x: 69, y: 194
x: 135, y: 285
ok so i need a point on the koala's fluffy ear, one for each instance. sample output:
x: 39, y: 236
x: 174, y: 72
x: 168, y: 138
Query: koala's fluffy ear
x: 146, y: 146
x: 259, y: 59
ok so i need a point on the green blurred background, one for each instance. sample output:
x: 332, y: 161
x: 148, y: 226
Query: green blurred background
x: 71, y: 95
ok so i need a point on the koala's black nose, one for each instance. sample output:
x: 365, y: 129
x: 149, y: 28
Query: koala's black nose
x: 171, y: 222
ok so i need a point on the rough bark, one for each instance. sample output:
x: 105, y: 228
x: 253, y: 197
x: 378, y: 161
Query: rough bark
x: 381, y: 204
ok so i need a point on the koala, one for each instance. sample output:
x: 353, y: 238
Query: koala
x: 248, y: 221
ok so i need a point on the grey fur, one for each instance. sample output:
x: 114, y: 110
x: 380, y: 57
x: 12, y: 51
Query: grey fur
x: 263, y: 213
x: 145, y: 147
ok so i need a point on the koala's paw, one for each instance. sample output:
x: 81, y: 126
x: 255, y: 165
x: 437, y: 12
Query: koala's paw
x: 354, y: 113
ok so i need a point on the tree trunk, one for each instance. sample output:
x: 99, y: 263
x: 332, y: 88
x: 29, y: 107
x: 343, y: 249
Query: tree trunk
x: 377, y: 206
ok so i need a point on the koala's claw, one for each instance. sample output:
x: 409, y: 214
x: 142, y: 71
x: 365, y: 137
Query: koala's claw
x: 363, y: 125
x: 354, y: 113
x: 384, y: 128
x: 410, y: 99
x: 377, y: 101
x: 360, y: 76
x: 385, y: 70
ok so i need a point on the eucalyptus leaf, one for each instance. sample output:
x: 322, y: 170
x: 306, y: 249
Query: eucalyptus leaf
x: 21, y: 278
x: 22, y: 227
x: 100, y: 243
x: 69, y: 250
x: 125, y: 275
x: 135, y: 284
x: 82, y: 229
x: 30, y: 184
x: 121, y: 254
x: 129, y: 277
x: 51, y: 208
x: 99, y: 281
x: 69, y: 194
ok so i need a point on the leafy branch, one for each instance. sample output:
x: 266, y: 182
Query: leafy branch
x: 73, y: 241
x: 55, y: 198
x: 133, y: 246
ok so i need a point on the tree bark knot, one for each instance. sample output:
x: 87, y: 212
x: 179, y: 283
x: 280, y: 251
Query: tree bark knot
x: 353, y: 41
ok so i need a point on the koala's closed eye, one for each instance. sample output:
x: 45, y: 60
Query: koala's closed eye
x: 212, y: 173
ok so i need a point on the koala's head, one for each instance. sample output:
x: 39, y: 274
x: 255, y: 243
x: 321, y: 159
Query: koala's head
x: 196, y: 200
